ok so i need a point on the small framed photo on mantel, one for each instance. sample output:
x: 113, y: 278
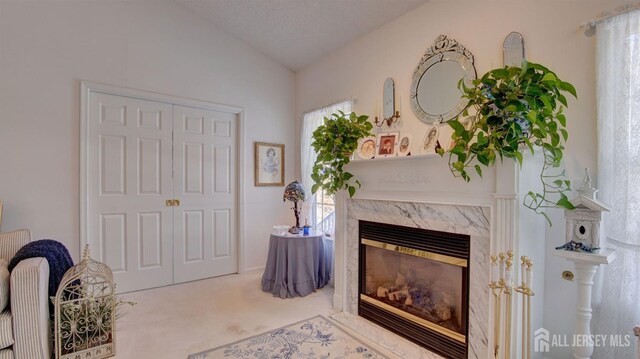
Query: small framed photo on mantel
x: 387, y: 144
x: 404, y: 147
x: 367, y: 148
x: 269, y: 164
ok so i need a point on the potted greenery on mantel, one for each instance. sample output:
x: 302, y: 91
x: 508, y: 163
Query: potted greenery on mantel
x: 514, y: 107
x: 334, y: 142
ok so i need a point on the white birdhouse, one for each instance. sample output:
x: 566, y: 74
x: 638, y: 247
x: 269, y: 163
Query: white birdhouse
x: 583, y: 222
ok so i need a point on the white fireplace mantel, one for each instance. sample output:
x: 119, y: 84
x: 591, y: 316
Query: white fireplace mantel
x: 394, y: 188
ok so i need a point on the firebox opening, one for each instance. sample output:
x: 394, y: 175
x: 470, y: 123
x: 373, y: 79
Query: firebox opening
x: 423, y: 285
x: 415, y: 282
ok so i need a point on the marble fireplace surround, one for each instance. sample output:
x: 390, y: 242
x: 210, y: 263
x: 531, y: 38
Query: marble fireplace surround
x: 472, y: 220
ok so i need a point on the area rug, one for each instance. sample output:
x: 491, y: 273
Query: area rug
x: 314, y: 338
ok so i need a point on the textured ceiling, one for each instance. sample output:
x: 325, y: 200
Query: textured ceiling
x: 298, y: 32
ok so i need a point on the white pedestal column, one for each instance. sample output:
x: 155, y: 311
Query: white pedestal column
x: 586, y: 267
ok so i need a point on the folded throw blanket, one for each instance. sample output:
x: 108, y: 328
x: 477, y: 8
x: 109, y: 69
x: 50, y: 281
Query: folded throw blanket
x: 56, y: 254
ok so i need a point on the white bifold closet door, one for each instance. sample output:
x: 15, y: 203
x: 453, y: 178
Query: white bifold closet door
x: 205, y: 182
x: 142, y: 153
x: 129, y: 178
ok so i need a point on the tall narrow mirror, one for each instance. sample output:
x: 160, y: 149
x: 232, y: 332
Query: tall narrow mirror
x: 388, y: 98
x: 513, y: 49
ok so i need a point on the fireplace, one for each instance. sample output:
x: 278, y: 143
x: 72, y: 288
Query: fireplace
x: 415, y: 282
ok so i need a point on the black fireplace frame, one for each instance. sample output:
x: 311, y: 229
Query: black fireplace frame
x: 444, y: 243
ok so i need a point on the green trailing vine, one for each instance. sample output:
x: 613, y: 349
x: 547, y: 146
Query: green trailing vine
x: 335, y: 141
x: 513, y: 107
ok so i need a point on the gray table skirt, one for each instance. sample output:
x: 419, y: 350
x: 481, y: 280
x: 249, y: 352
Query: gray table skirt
x: 297, y: 265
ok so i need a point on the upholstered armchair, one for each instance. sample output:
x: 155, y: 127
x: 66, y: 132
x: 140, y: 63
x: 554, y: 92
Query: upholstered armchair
x: 636, y: 331
x: 24, y: 324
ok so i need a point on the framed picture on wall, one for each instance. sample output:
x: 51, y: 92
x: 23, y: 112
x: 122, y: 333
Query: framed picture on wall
x: 269, y: 164
x: 387, y: 144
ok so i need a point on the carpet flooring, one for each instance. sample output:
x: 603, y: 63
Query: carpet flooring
x: 175, y: 321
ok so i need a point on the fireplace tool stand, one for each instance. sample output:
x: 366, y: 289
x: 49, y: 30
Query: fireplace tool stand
x: 503, y: 292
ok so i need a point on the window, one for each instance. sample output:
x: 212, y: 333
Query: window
x: 618, y: 103
x: 325, y: 215
x: 618, y: 95
x: 320, y: 208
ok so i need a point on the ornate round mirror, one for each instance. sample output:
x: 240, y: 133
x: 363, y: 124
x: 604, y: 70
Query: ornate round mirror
x: 435, y: 96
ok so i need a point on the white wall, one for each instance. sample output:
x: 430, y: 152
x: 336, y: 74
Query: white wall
x: 47, y: 47
x: 552, y: 37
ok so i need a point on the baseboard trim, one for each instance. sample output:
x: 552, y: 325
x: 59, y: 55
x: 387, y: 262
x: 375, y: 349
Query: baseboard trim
x: 253, y: 269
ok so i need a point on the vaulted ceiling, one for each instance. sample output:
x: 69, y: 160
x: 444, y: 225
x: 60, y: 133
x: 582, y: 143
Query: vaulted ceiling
x: 298, y: 32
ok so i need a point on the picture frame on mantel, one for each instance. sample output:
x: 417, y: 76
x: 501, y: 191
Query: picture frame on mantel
x: 404, y: 145
x: 268, y: 164
x: 367, y: 148
x: 387, y: 144
x: 430, y: 140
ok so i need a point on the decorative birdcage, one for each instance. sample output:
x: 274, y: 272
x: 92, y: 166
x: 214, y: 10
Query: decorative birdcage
x: 85, y: 307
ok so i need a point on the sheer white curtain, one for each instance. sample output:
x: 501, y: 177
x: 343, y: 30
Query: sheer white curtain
x: 310, y: 123
x: 617, y: 297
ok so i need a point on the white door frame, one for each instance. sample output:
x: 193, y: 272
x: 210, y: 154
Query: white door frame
x: 87, y: 87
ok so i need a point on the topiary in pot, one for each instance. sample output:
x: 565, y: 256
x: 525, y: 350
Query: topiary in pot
x: 514, y: 107
x: 335, y: 141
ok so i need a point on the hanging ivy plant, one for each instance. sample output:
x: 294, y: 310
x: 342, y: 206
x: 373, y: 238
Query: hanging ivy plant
x: 335, y: 141
x: 514, y: 108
